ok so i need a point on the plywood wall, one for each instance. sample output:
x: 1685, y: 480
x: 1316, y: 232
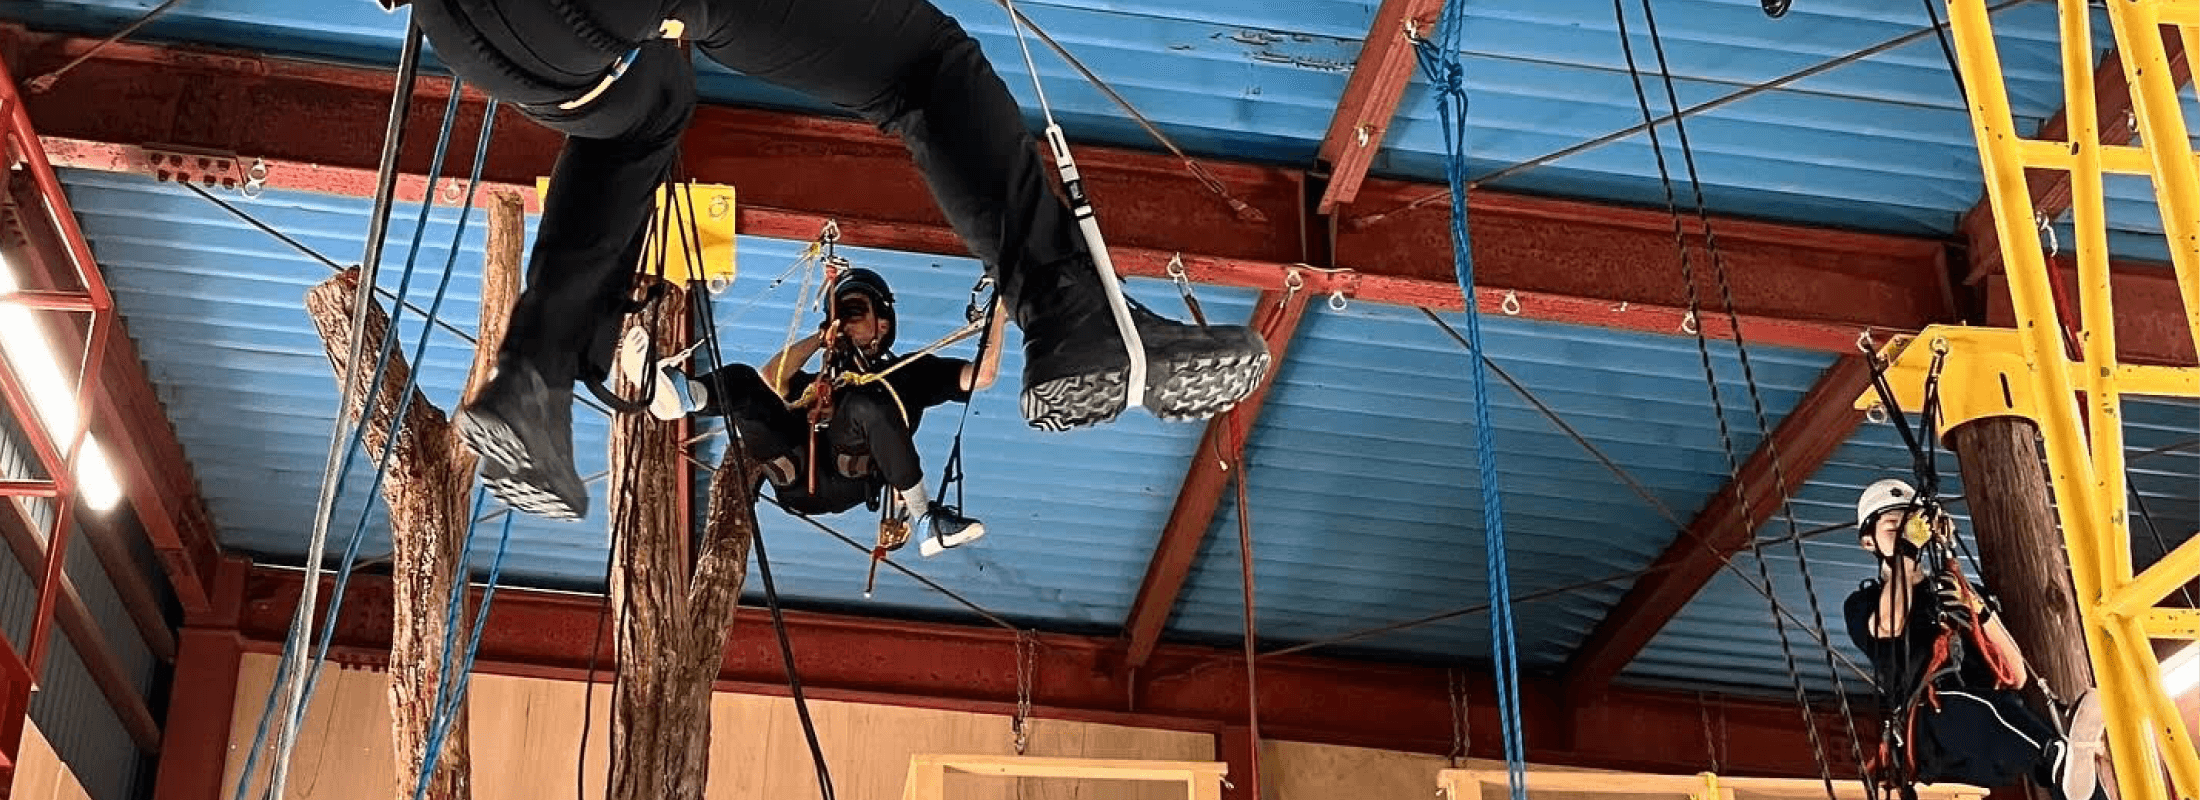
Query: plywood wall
x: 1299, y: 771
x: 527, y: 736
x: 39, y: 773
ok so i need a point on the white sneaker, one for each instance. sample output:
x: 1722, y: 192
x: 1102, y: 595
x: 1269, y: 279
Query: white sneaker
x: 942, y: 528
x: 669, y: 399
x: 2084, y: 733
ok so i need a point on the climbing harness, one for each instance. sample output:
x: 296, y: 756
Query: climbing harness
x: 1928, y: 529
x: 1073, y: 186
x: 669, y: 29
x: 1691, y: 327
x: 1439, y: 59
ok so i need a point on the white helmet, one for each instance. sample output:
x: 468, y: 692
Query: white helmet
x: 1881, y: 497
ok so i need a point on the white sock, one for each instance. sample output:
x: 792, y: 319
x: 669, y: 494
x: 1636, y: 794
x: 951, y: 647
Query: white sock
x: 915, y: 500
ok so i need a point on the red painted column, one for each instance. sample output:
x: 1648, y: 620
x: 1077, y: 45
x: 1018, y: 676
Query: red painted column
x: 202, y: 701
x: 1235, y: 747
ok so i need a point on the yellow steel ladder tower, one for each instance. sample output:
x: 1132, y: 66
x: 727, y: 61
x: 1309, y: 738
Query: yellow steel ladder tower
x: 2027, y: 372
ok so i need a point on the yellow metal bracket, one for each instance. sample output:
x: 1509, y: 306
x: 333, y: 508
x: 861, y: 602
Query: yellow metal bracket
x: 712, y: 208
x: 1985, y: 375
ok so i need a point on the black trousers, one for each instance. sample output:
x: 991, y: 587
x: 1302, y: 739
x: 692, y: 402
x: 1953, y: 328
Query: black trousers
x: 864, y: 422
x: 900, y: 64
x: 1988, y: 738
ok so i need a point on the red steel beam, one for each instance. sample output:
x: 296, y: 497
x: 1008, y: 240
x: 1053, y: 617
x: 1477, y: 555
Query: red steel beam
x: 1803, y: 441
x: 196, y: 749
x: 1557, y: 260
x: 1277, y: 318
x: 120, y: 401
x: 108, y: 534
x: 1371, y: 96
x: 1307, y: 699
x: 2050, y: 188
x: 13, y: 488
x: 2148, y: 302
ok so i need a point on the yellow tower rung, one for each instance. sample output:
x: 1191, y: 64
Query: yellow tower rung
x: 2027, y: 372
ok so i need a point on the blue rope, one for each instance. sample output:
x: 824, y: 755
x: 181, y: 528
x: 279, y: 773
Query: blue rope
x: 382, y: 358
x: 451, y: 687
x: 1439, y: 60
x: 412, y: 379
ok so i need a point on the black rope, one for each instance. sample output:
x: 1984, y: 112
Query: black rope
x: 2139, y: 501
x: 692, y: 239
x: 951, y: 472
x: 1802, y: 699
x: 1745, y: 93
x: 1680, y: 528
x: 588, y: 702
x: 1947, y: 51
x: 1781, y: 486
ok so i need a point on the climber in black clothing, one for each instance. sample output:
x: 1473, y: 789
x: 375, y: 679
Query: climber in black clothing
x: 615, y: 77
x: 868, y: 443
x: 1975, y: 728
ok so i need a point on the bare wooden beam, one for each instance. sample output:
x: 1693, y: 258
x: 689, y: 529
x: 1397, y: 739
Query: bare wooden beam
x: 2050, y: 189
x: 1804, y: 439
x: 427, y: 495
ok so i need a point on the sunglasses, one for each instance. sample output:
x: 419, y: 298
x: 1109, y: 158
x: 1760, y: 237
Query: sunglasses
x: 852, y: 308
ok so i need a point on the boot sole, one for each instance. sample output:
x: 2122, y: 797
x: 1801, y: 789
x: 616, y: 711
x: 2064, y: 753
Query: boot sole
x: 1193, y: 388
x: 510, y: 473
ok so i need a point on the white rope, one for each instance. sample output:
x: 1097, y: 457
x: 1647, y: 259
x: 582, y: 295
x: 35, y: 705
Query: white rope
x: 1088, y: 224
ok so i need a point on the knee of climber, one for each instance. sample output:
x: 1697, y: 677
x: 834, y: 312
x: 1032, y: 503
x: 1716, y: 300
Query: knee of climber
x: 869, y: 411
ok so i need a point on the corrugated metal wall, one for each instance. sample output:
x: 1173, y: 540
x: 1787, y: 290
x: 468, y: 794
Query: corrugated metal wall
x: 69, y: 708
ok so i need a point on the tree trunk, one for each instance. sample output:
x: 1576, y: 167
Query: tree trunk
x: 673, y: 619
x: 430, y: 471
x: 2020, y: 548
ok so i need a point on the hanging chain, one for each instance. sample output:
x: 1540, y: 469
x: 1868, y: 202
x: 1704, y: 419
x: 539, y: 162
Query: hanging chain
x: 1459, y: 727
x: 1710, y: 745
x: 1027, y: 656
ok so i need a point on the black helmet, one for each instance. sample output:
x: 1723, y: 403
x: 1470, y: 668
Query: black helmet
x: 858, y: 279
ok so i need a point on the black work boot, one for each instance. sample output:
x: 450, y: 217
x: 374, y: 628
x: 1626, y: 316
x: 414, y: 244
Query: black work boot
x: 522, y: 427
x: 1076, y: 368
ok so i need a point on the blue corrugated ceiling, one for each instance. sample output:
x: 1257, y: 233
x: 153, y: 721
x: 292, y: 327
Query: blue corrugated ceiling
x: 1881, y: 144
x: 1366, y: 505
x: 1366, y: 509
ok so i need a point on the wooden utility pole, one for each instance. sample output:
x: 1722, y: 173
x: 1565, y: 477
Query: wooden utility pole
x: 426, y: 491
x: 2020, y: 548
x: 674, y: 614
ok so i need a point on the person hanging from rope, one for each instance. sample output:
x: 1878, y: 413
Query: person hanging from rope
x: 867, y: 439
x: 614, y: 77
x: 1949, y: 669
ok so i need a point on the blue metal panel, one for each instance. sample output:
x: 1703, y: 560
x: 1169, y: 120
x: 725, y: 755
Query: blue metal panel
x: 1881, y: 144
x: 1072, y: 518
x: 1722, y: 638
x: 216, y: 309
x: 1726, y: 637
x: 1364, y: 489
x: 2162, y: 445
